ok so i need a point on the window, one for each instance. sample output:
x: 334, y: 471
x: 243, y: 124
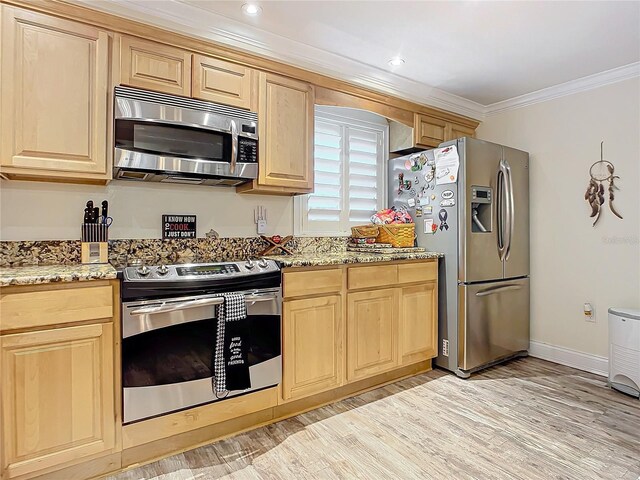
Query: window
x: 349, y: 172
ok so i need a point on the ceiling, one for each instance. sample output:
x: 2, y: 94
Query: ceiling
x: 466, y: 56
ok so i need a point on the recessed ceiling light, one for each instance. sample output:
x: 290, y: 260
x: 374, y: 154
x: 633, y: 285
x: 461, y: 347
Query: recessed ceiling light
x: 396, y: 61
x: 251, y: 9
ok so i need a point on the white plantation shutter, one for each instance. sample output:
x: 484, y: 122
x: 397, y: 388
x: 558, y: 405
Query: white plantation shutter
x: 348, y: 178
x: 325, y: 205
x: 364, y: 148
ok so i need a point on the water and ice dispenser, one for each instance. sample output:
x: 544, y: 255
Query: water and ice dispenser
x: 481, y: 212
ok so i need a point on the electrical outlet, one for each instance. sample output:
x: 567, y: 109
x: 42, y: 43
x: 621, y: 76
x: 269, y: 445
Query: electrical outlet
x: 445, y: 347
x: 589, y: 314
x: 262, y: 227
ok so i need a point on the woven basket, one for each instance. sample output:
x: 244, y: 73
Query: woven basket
x: 397, y: 234
x: 364, y: 231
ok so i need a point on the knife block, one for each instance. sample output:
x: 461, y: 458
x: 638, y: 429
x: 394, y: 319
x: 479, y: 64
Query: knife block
x: 94, y: 252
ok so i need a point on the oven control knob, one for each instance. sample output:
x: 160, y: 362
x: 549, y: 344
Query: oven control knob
x: 143, y: 270
x: 263, y: 263
x: 162, y: 270
x: 249, y: 264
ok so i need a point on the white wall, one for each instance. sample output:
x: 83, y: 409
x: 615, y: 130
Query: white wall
x: 53, y: 211
x: 571, y: 261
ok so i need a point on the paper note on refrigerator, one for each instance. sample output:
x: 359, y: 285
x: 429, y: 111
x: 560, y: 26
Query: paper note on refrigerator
x: 447, y: 163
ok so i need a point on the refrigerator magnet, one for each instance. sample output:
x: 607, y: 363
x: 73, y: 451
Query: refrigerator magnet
x: 428, y: 225
x: 418, y: 211
x: 411, y: 202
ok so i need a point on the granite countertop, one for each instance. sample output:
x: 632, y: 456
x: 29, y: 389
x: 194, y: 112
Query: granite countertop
x: 38, y: 274
x: 321, y: 259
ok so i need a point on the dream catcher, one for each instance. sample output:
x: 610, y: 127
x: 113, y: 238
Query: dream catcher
x: 601, y: 172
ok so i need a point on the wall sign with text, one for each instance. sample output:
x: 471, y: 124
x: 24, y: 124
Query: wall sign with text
x: 178, y: 226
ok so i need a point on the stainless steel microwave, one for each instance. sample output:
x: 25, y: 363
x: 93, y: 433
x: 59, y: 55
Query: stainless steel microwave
x: 166, y: 138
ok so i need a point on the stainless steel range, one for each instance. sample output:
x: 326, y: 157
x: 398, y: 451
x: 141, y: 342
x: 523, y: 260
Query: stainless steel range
x: 169, y: 330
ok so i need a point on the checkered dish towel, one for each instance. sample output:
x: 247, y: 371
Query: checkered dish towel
x: 231, y: 365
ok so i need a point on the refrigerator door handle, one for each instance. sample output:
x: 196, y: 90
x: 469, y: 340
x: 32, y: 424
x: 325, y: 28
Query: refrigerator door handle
x: 502, y: 288
x: 510, y: 208
x: 502, y: 213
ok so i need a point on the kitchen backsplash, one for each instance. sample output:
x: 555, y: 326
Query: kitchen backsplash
x: 152, y: 251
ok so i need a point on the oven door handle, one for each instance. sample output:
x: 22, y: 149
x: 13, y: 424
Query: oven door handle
x: 171, y: 307
x: 203, y: 302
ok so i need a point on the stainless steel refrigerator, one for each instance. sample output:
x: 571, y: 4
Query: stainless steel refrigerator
x: 481, y: 224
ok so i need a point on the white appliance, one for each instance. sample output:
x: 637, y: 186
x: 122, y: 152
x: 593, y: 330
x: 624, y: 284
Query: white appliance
x: 624, y: 350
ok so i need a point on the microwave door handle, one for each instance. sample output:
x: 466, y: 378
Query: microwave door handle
x: 234, y: 147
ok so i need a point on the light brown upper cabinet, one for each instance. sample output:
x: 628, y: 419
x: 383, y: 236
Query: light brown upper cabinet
x: 222, y: 82
x: 285, y: 124
x: 155, y: 66
x: 458, y: 131
x: 432, y: 131
x: 429, y: 131
x: 54, y: 96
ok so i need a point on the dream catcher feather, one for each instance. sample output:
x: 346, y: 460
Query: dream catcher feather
x: 601, y: 172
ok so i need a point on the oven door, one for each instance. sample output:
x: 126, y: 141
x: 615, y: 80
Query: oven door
x: 168, y: 347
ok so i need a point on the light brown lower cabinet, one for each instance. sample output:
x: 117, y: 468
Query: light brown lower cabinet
x: 418, y: 323
x: 57, y: 397
x: 390, y: 321
x: 312, y: 346
x: 372, y: 332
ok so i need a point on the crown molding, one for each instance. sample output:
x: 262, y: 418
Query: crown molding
x: 193, y: 20
x: 583, y: 84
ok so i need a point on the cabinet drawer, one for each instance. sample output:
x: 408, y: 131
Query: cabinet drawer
x: 312, y: 282
x: 372, y: 276
x: 50, y: 307
x: 418, y: 272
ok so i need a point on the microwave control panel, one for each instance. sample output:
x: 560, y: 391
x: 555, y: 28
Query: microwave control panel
x: 247, y: 150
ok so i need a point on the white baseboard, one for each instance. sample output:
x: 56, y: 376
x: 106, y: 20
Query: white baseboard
x: 571, y: 358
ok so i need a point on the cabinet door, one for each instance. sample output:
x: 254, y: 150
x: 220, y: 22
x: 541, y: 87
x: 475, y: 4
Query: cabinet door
x: 285, y: 122
x: 429, y: 131
x: 155, y: 66
x: 458, y: 131
x: 57, y: 397
x: 418, y: 323
x: 222, y: 82
x: 54, y: 96
x: 312, y: 346
x: 372, y: 332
